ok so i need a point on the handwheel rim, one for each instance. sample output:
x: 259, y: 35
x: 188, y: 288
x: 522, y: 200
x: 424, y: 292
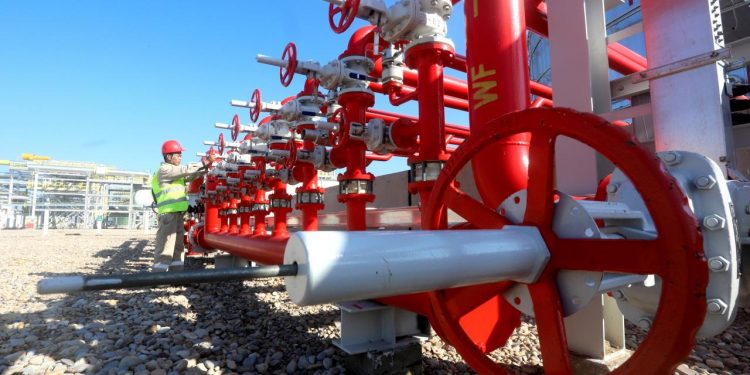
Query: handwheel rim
x: 235, y: 128
x: 290, y: 56
x: 680, y: 262
x: 220, y: 145
x: 255, y: 99
x: 347, y: 10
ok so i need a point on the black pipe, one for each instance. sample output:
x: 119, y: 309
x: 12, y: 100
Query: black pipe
x: 71, y: 284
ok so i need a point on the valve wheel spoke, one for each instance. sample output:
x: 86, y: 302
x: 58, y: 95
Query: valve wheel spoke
x: 549, y: 322
x: 464, y: 300
x: 474, y: 211
x: 625, y: 256
x: 540, y: 202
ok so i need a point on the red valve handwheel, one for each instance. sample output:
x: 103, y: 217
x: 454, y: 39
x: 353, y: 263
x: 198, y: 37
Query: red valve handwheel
x: 220, y: 145
x: 290, y: 56
x: 255, y: 99
x: 235, y: 129
x: 676, y: 255
x: 339, y: 115
x: 291, y: 146
x: 348, y: 11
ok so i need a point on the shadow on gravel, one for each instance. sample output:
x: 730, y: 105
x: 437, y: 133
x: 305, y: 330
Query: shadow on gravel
x: 233, y: 326
x: 187, y: 329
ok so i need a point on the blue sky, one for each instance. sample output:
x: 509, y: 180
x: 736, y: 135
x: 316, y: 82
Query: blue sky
x: 108, y: 82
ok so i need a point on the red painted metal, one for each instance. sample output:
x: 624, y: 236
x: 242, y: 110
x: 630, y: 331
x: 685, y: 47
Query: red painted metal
x: 260, y: 215
x: 262, y: 249
x: 290, y: 56
x: 450, y: 101
x: 355, y: 106
x: 257, y: 104
x: 499, y: 78
x: 676, y: 255
x: 621, y: 59
x: 459, y: 89
x: 346, y: 12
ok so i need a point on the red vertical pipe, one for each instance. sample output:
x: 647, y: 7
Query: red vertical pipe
x: 355, y: 105
x: 245, y: 216
x: 260, y: 216
x: 233, y: 229
x: 212, y: 218
x: 499, y: 83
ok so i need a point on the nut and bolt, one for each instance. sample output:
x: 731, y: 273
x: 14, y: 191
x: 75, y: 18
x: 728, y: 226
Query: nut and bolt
x: 617, y: 294
x: 716, y: 306
x: 705, y: 182
x: 612, y: 188
x: 671, y: 158
x: 644, y: 323
x: 718, y: 264
x: 714, y: 222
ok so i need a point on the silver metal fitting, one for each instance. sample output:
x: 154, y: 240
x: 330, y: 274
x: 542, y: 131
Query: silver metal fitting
x: 612, y: 188
x: 670, y: 158
x: 716, y: 306
x: 718, y: 264
x: 705, y: 182
x: 714, y: 222
x: 617, y: 294
x: 644, y: 323
x: 426, y: 170
x: 281, y: 203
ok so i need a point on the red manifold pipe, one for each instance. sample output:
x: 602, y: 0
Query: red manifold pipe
x: 621, y: 59
x: 450, y: 101
x: 261, y: 249
x: 451, y: 129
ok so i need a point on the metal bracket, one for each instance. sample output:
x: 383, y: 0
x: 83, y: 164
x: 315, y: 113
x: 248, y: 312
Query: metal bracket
x: 682, y: 65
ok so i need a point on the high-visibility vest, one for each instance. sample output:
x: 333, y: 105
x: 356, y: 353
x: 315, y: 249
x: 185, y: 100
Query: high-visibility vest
x: 170, y: 197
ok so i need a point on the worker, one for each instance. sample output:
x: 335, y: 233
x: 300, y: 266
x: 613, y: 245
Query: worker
x: 168, y: 189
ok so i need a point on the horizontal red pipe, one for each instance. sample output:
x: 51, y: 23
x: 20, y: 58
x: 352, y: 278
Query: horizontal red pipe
x: 450, y: 101
x: 261, y: 249
x: 459, y: 89
x: 621, y: 59
x: 451, y: 129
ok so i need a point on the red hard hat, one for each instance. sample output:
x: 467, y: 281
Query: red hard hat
x: 171, y: 146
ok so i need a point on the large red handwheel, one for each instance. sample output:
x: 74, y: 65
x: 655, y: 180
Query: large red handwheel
x: 290, y: 56
x: 675, y: 255
x: 235, y: 128
x: 346, y: 11
x: 220, y: 144
x: 255, y: 111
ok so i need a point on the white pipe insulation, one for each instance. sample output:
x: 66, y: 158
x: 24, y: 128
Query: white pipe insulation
x: 343, y: 266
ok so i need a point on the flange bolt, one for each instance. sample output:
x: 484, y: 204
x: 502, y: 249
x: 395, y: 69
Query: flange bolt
x: 716, y: 306
x: 671, y: 158
x: 718, y: 264
x: 714, y: 222
x: 644, y: 323
x: 705, y: 182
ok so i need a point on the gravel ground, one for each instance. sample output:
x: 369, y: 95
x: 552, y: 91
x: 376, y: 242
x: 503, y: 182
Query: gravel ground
x: 226, y: 328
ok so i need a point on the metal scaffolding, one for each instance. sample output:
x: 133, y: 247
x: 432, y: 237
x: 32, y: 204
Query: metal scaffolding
x: 74, y: 194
